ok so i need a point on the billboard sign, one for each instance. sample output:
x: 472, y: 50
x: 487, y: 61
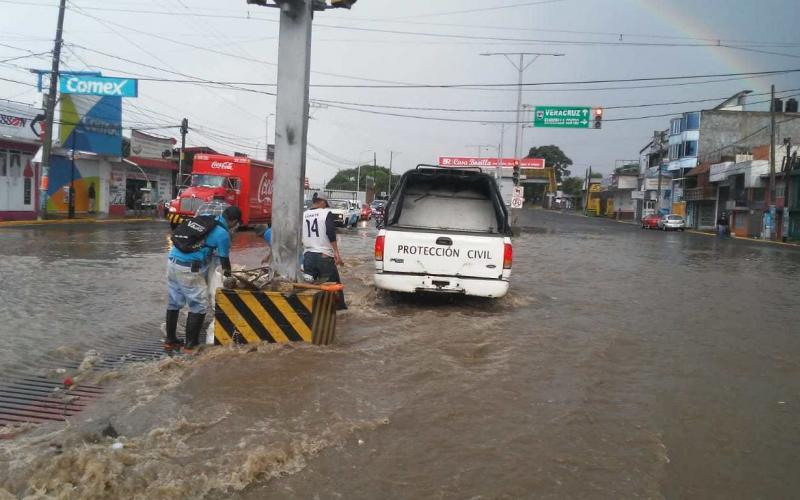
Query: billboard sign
x: 150, y: 146
x: 98, y: 85
x: 471, y: 161
x: 92, y: 124
x: 20, y: 121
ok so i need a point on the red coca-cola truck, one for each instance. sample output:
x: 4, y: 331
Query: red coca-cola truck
x: 235, y: 180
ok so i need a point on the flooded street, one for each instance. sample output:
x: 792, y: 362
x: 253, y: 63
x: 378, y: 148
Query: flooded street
x: 623, y: 364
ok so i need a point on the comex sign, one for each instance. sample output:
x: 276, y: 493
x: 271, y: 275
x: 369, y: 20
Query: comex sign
x: 99, y: 85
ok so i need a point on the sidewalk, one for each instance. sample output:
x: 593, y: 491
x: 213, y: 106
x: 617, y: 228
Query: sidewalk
x: 693, y: 231
x: 744, y: 238
x: 59, y: 219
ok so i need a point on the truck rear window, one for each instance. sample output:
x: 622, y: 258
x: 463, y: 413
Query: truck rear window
x: 447, y: 204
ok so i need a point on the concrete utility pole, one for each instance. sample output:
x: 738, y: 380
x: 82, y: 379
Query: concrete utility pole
x: 520, y: 66
x: 657, y: 140
x: 50, y: 111
x: 291, y: 131
x: 772, y: 134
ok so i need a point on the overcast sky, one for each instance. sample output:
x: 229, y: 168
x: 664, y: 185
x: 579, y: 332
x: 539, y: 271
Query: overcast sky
x: 384, y: 41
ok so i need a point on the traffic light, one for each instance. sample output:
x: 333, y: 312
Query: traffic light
x: 598, y: 117
x: 344, y: 4
x: 515, y: 175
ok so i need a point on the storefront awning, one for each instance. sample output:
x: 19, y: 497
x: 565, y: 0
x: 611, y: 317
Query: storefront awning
x: 153, y: 163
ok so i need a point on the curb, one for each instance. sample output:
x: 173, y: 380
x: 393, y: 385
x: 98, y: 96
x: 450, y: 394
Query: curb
x: 71, y: 221
x: 745, y: 238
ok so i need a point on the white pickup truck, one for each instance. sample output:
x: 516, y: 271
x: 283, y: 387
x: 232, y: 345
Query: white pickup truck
x: 446, y: 230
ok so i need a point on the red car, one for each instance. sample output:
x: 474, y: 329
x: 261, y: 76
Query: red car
x: 366, y: 212
x: 650, y: 221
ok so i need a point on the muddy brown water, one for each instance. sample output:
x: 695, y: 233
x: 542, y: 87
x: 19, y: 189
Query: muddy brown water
x: 623, y: 364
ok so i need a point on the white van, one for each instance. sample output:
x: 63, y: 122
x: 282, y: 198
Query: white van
x: 446, y: 230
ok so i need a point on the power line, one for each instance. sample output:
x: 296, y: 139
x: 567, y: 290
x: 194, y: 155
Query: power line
x: 195, y: 79
x: 483, y: 9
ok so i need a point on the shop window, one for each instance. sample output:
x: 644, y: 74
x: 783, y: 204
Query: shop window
x: 3, y: 156
x: 692, y: 121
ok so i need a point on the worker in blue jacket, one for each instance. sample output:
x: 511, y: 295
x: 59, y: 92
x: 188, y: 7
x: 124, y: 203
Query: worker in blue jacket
x: 187, y: 277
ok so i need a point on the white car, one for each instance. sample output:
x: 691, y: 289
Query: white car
x: 446, y: 231
x: 672, y: 222
x: 343, y: 213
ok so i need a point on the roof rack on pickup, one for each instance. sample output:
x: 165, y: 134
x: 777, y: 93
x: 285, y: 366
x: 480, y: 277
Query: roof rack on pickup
x: 447, y: 169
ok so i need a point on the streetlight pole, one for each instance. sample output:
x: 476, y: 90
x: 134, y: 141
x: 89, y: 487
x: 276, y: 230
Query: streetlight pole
x: 358, y: 170
x: 520, y: 66
x: 479, y: 147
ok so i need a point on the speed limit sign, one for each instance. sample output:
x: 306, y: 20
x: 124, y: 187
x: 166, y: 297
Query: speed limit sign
x: 516, y: 202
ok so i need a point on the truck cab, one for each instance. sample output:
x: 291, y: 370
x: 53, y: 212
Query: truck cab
x: 235, y: 180
x: 446, y: 231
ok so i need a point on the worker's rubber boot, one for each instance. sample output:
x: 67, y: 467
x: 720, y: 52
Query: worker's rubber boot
x: 194, y: 323
x: 171, y: 341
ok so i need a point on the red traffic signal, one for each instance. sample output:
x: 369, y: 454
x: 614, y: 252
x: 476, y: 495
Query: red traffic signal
x: 598, y: 117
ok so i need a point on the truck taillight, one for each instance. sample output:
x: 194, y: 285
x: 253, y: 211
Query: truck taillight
x: 507, y: 255
x: 379, y: 242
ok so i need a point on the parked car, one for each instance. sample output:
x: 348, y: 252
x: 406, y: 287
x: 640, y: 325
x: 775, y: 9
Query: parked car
x: 672, y: 222
x: 366, y: 212
x: 650, y: 221
x: 446, y: 231
x: 343, y: 212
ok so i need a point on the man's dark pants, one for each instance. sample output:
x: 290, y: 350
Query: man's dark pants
x: 322, y: 269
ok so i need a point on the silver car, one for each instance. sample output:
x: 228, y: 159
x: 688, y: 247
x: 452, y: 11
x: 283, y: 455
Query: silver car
x: 672, y: 222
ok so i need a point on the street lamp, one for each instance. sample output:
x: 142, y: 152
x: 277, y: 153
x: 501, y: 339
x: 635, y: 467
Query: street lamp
x: 358, y: 167
x: 521, y: 67
x: 498, y: 170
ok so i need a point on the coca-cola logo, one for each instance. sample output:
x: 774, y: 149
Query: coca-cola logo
x: 224, y: 165
x: 265, y: 190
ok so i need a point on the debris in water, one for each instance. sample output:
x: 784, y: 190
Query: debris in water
x: 110, y: 431
x: 360, y: 442
x: 117, y: 446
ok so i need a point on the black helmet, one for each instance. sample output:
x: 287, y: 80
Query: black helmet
x: 233, y: 213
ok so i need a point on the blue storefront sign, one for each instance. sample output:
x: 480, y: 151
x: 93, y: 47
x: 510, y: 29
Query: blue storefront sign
x: 92, y: 124
x: 98, y: 85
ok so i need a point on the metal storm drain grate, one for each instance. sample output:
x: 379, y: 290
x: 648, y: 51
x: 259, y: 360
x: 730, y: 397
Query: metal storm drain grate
x: 26, y: 398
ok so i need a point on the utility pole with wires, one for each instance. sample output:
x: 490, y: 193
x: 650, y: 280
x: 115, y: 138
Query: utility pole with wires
x: 772, y: 141
x: 50, y: 111
x: 521, y: 65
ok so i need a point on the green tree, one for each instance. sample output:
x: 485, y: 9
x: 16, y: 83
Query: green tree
x: 345, y: 180
x: 553, y: 157
x: 572, y: 185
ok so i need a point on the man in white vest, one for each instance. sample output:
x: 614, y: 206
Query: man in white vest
x: 321, y: 251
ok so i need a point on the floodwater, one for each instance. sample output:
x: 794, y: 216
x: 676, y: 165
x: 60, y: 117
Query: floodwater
x: 623, y: 364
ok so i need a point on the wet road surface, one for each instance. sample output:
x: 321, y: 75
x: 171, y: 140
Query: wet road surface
x: 623, y: 364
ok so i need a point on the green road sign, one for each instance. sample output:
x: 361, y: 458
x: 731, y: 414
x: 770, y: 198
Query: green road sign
x: 562, y: 116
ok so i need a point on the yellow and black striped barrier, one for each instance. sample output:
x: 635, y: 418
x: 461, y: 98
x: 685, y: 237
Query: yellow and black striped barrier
x: 247, y: 317
x: 174, y: 218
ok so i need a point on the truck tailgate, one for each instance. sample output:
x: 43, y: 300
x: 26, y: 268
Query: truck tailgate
x: 445, y: 254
